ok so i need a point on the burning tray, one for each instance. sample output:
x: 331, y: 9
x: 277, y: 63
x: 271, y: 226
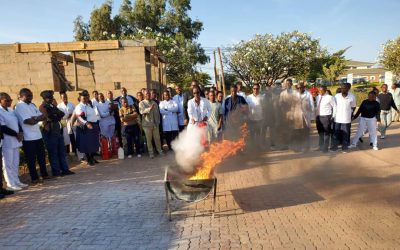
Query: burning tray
x: 178, y: 186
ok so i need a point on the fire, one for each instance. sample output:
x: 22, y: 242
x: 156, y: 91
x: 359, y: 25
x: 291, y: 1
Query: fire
x: 218, y: 152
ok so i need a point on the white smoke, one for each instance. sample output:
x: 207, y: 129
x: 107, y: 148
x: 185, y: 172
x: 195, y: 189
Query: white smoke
x: 188, y: 148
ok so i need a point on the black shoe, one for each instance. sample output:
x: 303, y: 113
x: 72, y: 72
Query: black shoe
x: 371, y: 144
x: 95, y: 161
x: 2, y: 196
x: 6, y: 192
x: 67, y: 173
x: 361, y: 140
x: 48, y: 177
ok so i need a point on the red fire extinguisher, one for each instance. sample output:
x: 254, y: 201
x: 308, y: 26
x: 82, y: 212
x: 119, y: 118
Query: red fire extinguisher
x: 104, y: 148
x: 203, y: 140
x: 114, y: 145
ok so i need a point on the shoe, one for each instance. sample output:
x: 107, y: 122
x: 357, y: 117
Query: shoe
x: 34, y: 182
x: 139, y: 155
x: 360, y: 140
x: 375, y: 148
x: 129, y: 156
x: 352, y: 146
x: 23, y: 185
x: 382, y: 137
x: 5, y: 191
x: 95, y: 161
x: 371, y: 144
x: 67, y: 173
x: 14, y: 188
x: 48, y: 177
x: 161, y: 154
x: 151, y: 156
x: 2, y: 196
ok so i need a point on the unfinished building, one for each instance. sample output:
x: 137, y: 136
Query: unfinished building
x: 74, y: 66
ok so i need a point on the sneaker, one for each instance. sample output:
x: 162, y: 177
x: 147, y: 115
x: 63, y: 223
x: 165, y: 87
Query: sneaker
x: 129, y: 156
x: 139, y: 155
x: 23, y: 185
x: 161, y: 154
x: 382, y: 137
x: 352, y: 146
x: 375, y: 148
x: 14, y: 188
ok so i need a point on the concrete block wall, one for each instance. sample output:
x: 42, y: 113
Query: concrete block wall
x: 18, y: 70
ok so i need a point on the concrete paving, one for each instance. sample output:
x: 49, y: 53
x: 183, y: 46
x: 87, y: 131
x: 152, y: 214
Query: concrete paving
x: 265, y: 200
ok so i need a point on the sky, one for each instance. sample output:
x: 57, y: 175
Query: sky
x: 362, y: 24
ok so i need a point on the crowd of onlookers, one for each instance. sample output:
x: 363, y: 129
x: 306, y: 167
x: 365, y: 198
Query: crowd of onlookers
x: 145, y: 122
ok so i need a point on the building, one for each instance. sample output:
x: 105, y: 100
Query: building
x: 74, y: 66
x: 363, y: 72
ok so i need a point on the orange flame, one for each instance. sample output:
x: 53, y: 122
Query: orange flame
x: 218, y: 152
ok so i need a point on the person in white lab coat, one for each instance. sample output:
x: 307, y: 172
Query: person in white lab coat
x: 107, y: 121
x: 199, y: 109
x: 11, y: 143
x: 68, y: 109
x: 178, y: 98
x: 169, y: 112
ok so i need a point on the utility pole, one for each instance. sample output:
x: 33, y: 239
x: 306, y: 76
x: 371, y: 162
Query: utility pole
x: 217, y: 84
x: 222, y: 72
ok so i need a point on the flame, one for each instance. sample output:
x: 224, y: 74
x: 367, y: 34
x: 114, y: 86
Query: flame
x: 218, y: 152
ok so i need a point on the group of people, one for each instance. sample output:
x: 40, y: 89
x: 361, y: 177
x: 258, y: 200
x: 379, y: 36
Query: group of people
x: 144, y: 122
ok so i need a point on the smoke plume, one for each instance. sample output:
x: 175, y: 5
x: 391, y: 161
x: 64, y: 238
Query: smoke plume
x: 188, y: 148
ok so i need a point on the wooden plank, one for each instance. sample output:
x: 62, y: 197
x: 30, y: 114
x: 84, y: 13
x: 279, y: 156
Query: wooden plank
x: 67, y: 46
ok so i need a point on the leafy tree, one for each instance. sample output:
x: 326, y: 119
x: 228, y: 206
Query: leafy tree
x: 80, y: 29
x: 390, y: 56
x: 267, y: 58
x: 166, y: 21
x: 335, y: 65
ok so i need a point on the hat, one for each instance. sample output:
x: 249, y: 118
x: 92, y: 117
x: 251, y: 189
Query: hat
x: 46, y: 94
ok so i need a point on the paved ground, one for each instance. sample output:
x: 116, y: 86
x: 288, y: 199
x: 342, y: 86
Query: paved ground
x: 281, y: 200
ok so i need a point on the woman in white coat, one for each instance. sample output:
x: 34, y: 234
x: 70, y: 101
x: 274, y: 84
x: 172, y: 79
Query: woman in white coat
x: 11, y: 143
x: 68, y: 109
x: 169, y: 112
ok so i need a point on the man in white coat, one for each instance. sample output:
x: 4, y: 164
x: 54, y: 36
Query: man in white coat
x: 11, y: 143
x: 169, y: 112
x: 178, y: 98
x: 199, y: 110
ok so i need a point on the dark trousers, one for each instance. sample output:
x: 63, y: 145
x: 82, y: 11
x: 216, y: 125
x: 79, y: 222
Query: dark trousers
x: 133, y: 134
x: 341, y: 135
x: 169, y: 137
x: 324, y: 131
x: 1, y: 168
x: 118, y: 129
x: 56, y: 153
x: 34, y: 150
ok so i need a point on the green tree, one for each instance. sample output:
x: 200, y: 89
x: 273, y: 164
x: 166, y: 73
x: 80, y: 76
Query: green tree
x: 101, y: 23
x: 390, y: 56
x: 81, y: 29
x: 335, y: 65
x: 266, y: 58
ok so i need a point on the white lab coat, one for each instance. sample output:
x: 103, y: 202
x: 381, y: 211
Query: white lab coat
x: 179, y: 100
x: 168, y: 110
x: 198, y: 112
x: 10, y: 148
x: 68, y: 110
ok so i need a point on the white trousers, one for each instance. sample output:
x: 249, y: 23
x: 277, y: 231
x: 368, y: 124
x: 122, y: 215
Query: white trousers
x: 370, y: 125
x: 11, y: 166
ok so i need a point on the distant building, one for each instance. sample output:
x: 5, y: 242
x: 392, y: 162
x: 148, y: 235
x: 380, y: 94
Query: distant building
x: 363, y: 72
